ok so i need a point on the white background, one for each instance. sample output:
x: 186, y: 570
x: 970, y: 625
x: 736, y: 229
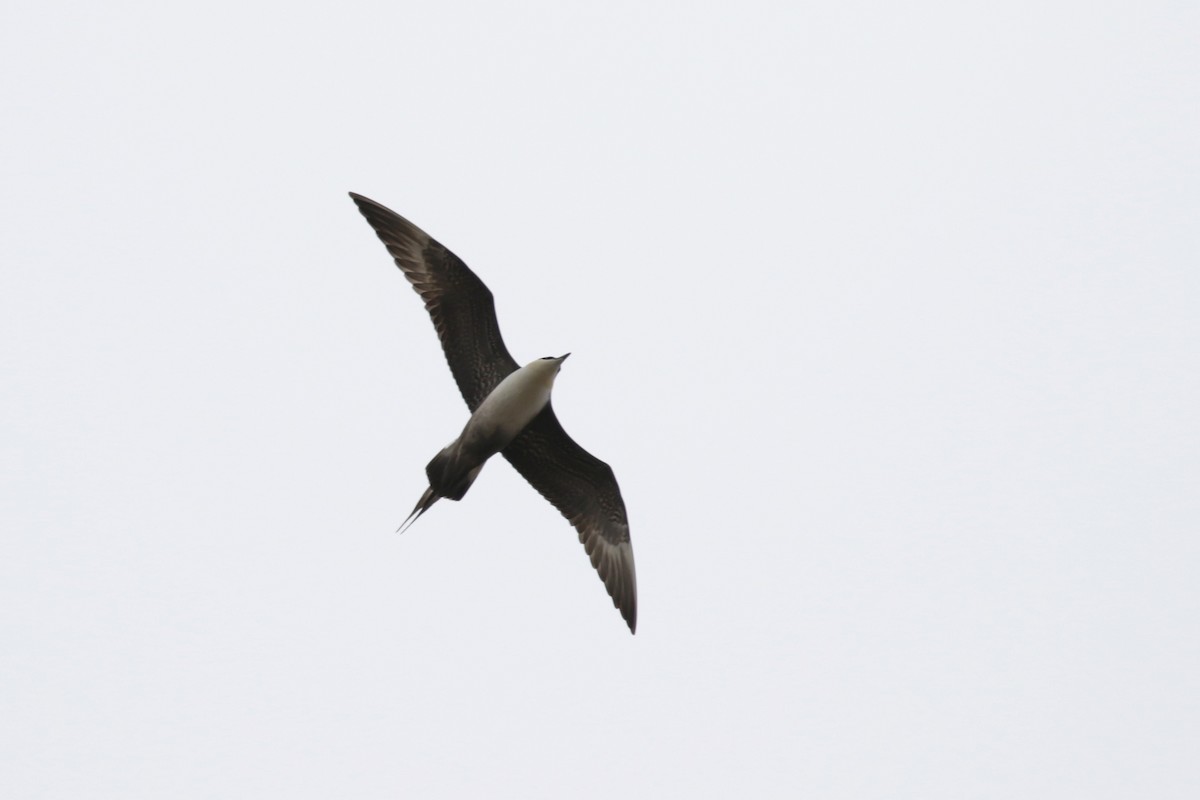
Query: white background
x: 886, y: 315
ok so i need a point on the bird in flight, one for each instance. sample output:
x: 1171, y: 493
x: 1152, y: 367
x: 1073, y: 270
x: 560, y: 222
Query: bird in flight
x: 510, y: 409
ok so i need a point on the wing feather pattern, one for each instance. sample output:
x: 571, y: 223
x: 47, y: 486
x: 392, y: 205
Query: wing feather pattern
x: 461, y: 306
x: 584, y: 490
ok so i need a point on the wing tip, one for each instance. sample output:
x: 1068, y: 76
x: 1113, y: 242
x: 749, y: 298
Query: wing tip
x: 366, y: 204
x: 621, y: 584
x: 626, y: 603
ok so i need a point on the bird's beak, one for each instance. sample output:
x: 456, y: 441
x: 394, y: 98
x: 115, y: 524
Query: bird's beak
x: 563, y: 357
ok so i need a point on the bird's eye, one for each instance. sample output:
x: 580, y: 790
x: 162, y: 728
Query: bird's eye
x: 547, y: 358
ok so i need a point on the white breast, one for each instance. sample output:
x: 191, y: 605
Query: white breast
x: 514, y: 402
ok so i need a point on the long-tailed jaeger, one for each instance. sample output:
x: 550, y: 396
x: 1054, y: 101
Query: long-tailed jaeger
x: 510, y: 409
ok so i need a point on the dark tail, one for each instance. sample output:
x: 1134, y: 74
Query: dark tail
x: 447, y: 478
x: 451, y: 474
x: 427, y: 499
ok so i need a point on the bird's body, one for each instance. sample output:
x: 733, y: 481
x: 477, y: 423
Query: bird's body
x: 510, y: 408
x: 500, y: 418
x: 513, y: 404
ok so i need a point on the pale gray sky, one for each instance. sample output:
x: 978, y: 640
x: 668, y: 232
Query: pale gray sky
x: 887, y: 318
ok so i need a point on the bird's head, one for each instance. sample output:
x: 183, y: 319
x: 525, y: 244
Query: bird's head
x: 553, y: 361
x: 548, y: 366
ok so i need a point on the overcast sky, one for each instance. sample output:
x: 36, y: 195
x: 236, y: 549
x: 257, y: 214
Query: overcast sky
x: 887, y: 317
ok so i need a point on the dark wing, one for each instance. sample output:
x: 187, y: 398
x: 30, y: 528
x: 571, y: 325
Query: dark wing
x: 461, y: 306
x: 584, y: 489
